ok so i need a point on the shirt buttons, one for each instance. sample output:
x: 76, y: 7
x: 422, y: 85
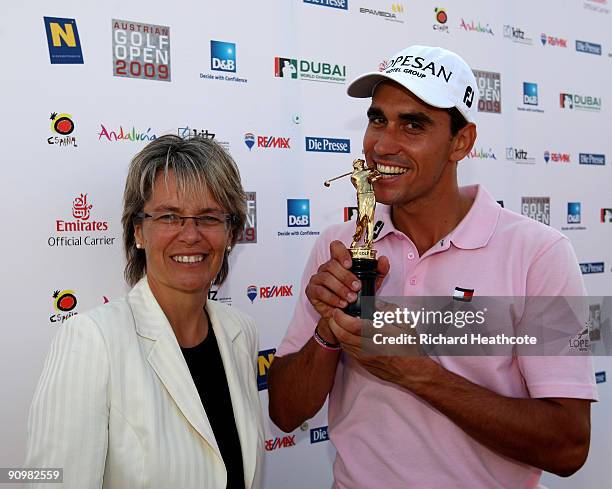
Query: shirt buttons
x: 410, y: 256
x: 413, y: 281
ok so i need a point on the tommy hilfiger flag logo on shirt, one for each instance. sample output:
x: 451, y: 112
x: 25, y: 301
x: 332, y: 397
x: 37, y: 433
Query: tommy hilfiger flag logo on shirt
x: 463, y: 295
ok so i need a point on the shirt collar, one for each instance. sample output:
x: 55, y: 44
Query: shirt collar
x: 474, y: 231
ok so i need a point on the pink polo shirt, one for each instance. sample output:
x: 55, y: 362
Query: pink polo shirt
x: 385, y: 436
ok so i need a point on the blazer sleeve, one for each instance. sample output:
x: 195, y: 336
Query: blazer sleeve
x: 68, y: 420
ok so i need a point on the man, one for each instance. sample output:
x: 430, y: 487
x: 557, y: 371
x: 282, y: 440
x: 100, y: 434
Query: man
x: 417, y: 422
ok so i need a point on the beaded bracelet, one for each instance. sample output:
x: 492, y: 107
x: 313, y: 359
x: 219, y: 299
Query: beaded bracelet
x: 324, y: 343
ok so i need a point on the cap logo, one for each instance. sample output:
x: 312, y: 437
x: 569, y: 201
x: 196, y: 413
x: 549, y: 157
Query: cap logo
x: 468, y: 97
x: 415, y: 65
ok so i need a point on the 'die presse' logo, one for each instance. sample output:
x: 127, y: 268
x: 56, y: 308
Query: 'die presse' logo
x: 264, y: 360
x: 517, y: 35
x: 249, y: 233
x: 593, y: 267
x: 441, y: 19
x: 319, y: 434
x: 579, y: 102
x: 64, y: 303
x: 339, y: 4
x: 141, y: 50
x: 298, y: 213
x: 274, y: 142
x: 395, y: 15
x: 81, y: 213
x: 309, y: 70
x: 537, y: 208
x: 489, y: 91
x: 63, y: 126
x: 588, y: 47
x: 591, y: 159
x: 63, y: 40
x: 327, y: 145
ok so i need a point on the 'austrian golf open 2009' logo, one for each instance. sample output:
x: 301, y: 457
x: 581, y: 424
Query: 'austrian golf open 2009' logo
x: 141, y: 50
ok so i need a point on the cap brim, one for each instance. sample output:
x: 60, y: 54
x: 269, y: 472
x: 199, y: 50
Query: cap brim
x: 363, y: 87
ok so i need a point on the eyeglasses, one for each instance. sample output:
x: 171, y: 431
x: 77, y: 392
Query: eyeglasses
x: 210, y: 220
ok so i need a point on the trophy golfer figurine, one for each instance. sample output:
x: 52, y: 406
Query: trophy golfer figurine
x: 364, y: 257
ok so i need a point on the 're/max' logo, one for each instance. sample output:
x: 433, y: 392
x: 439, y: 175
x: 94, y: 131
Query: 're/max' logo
x: 593, y: 267
x: 276, y: 443
x: 328, y: 145
x: 276, y: 291
x: 264, y: 360
x: 318, y: 435
x: 339, y: 4
x: 63, y: 40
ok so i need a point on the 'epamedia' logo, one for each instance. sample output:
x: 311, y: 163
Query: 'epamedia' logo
x: 63, y: 40
x: 141, y: 50
x: 62, y: 126
x: 81, y: 222
x: 64, y: 304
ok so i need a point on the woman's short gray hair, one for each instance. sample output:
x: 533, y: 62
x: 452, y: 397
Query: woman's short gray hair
x: 199, y: 164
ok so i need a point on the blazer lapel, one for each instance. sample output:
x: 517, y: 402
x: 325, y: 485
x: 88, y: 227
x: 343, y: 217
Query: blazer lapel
x: 238, y: 371
x: 166, y: 359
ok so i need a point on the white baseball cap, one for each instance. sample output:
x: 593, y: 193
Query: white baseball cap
x: 437, y: 76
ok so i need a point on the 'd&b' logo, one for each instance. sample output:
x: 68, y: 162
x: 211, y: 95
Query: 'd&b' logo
x: 530, y: 93
x: 63, y: 40
x: 222, y: 56
x: 573, y: 213
x: 298, y: 213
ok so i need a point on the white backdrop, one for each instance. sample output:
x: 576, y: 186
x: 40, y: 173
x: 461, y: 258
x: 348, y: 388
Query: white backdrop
x: 40, y: 181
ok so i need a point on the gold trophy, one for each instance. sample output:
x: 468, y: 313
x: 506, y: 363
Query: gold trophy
x: 364, y: 256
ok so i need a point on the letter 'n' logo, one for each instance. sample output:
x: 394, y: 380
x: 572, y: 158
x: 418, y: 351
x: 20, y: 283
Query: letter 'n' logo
x: 468, y: 98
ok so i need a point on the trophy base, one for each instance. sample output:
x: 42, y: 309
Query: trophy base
x: 364, y: 267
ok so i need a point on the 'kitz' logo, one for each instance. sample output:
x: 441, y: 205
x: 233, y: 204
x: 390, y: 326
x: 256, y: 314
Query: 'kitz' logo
x: 593, y: 267
x: 537, y: 208
x: 141, y: 50
x: 305, y: 69
x: 516, y: 35
x: 519, y: 155
x: 588, y: 47
x: 319, y: 434
x: 223, y: 56
x: 264, y: 360
x: 63, y: 125
x: 574, y: 213
x: 339, y: 4
x: 328, y: 145
x: 298, y: 213
x: 591, y: 159
x: 489, y: 91
x: 276, y: 443
x: 63, y: 40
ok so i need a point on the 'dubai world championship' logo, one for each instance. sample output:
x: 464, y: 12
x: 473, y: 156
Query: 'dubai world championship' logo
x: 141, y: 50
x: 81, y: 230
x: 62, y: 127
x: 64, y: 304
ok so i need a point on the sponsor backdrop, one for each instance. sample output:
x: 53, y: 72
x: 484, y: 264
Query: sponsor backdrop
x: 85, y: 86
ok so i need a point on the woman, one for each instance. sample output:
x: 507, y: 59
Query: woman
x: 158, y: 389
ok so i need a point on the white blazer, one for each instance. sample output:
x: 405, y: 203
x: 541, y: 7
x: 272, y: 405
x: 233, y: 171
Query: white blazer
x: 117, y: 408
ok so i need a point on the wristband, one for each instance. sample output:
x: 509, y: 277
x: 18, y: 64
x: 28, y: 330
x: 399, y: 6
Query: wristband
x: 324, y: 343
